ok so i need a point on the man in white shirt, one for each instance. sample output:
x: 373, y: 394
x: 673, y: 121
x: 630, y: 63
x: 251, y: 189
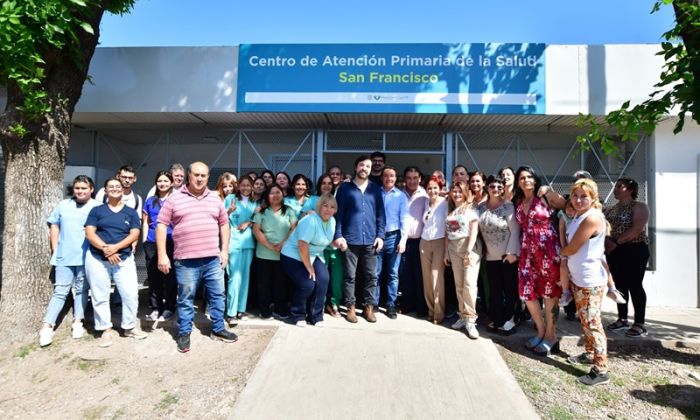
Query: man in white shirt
x: 411, y: 283
x: 127, y: 176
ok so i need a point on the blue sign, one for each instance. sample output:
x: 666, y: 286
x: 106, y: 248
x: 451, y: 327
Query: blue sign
x: 392, y: 78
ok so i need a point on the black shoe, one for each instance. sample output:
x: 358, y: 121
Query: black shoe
x: 582, y: 359
x: 224, y: 335
x: 391, y: 312
x: 594, y: 378
x: 183, y: 343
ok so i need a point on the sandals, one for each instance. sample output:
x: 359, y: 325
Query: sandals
x: 636, y: 330
x: 533, y: 342
x: 545, y: 348
x: 618, y: 325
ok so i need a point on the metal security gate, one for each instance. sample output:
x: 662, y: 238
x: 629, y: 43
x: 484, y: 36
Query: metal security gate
x: 555, y: 156
x: 425, y: 149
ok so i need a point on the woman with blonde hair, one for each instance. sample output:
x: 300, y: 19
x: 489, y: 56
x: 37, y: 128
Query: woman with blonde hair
x: 302, y: 257
x: 584, y: 255
x: 461, y: 230
x: 226, y: 184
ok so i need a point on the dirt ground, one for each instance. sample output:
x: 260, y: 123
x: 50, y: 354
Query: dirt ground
x: 646, y: 383
x: 73, y: 379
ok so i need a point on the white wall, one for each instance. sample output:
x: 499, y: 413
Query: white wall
x: 597, y: 79
x: 674, y: 217
x: 161, y: 79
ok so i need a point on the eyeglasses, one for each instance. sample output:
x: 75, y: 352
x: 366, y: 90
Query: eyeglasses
x: 495, y: 187
x: 113, y: 187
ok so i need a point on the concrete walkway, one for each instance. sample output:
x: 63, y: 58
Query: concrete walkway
x: 394, y: 369
x: 411, y: 369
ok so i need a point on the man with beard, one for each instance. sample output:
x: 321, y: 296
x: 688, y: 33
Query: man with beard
x: 378, y: 162
x: 359, y: 234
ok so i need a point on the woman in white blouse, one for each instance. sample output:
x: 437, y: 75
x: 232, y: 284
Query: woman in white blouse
x: 432, y: 250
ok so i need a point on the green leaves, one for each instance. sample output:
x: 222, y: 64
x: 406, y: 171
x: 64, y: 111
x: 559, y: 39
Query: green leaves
x: 34, y: 33
x: 678, y: 89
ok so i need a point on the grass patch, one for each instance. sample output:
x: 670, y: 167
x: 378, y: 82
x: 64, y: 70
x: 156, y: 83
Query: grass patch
x: 94, y: 413
x: 26, y: 350
x: 167, y: 401
x: 119, y: 414
x: 88, y: 365
x: 61, y: 357
x: 560, y: 413
x: 605, y: 398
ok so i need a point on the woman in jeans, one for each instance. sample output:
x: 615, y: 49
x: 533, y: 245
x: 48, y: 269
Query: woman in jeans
x: 501, y: 235
x: 271, y: 227
x: 67, y: 234
x: 627, y: 248
x: 302, y: 260
x: 111, y: 229
x: 162, y: 288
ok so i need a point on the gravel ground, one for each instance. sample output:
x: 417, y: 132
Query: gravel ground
x: 649, y: 382
x: 75, y: 379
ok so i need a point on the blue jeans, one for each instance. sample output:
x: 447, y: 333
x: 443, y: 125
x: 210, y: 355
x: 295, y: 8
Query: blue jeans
x: 188, y: 274
x: 309, y: 296
x: 388, y: 261
x: 65, y: 278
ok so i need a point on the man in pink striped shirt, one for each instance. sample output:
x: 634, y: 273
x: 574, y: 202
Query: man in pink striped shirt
x: 200, y: 224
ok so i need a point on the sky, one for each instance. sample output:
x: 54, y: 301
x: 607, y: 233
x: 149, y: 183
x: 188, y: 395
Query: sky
x: 234, y: 22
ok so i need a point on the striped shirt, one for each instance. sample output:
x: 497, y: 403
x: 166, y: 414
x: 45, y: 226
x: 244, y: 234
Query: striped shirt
x: 195, y: 221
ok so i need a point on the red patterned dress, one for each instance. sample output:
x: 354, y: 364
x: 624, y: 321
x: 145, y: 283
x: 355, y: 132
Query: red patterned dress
x: 538, y: 267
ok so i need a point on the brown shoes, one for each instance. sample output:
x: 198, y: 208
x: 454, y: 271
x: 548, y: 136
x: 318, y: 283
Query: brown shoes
x: 351, y: 316
x: 332, y: 310
x: 368, y: 313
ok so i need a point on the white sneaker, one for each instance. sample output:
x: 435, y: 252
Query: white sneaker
x: 301, y: 323
x: 565, y: 298
x: 136, y: 334
x: 471, y: 330
x: 459, y: 324
x: 320, y: 324
x: 153, y: 316
x: 615, y: 295
x: 77, y: 330
x: 105, y: 339
x: 45, y: 336
x: 508, y: 325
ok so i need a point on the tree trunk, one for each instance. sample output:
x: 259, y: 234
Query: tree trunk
x: 33, y: 186
x: 34, y: 167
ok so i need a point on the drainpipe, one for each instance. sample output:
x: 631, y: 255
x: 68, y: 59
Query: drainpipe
x: 697, y: 231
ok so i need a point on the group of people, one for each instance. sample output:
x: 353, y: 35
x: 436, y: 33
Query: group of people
x: 271, y: 241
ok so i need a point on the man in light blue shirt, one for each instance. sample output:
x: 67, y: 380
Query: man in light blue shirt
x: 395, y: 236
